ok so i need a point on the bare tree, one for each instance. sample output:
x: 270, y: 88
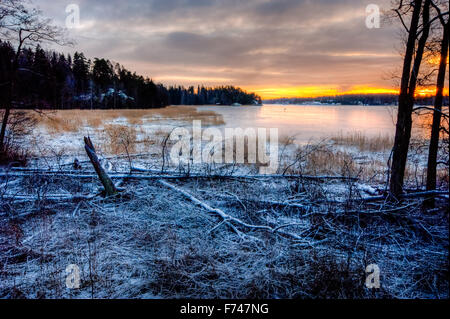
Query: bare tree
x: 437, y: 113
x: 23, y: 26
x: 417, y: 39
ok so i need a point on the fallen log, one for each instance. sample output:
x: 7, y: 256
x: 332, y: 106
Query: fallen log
x: 72, y: 174
x: 410, y: 195
x: 266, y: 202
x: 88, y: 176
x: 110, y: 188
x: 50, y: 198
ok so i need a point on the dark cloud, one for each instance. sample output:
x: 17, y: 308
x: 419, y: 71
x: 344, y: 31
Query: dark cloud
x: 251, y: 43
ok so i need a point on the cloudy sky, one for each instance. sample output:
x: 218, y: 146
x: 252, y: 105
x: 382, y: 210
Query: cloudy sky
x: 276, y: 48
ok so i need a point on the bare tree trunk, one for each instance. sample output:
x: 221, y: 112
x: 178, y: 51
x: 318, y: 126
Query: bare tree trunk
x: 8, y: 106
x: 406, y: 98
x: 110, y: 188
x: 9, y: 98
x: 3, y: 129
x: 436, y: 126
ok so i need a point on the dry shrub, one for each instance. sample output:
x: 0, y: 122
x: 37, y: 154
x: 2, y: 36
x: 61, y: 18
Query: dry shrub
x: 442, y: 177
x: 20, y: 127
x: 335, y: 279
x: 286, y: 140
x: 120, y: 139
x: 364, y: 143
x: 15, y: 156
x: 324, y: 161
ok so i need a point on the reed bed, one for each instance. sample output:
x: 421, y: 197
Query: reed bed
x: 62, y: 121
x: 364, y: 143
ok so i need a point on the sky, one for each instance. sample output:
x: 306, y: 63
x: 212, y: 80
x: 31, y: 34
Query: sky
x: 281, y: 48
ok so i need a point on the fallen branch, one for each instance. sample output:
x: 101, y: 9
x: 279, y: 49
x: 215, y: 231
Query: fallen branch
x: 110, y: 158
x: 225, y: 217
x: 110, y: 188
x: 72, y: 174
x: 410, y: 195
x: 51, y: 198
x: 266, y: 202
x: 156, y: 171
x: 112, y: 176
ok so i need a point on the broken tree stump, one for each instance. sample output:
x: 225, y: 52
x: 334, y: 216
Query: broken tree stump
x: 110, y: 188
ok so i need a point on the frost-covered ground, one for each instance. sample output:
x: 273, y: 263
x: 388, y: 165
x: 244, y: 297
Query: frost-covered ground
x: 213, y: 231
x: 286, y: 238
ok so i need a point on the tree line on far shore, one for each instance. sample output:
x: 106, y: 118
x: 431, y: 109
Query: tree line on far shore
x: 357, y: 99
x: 51, y: 80
x: 224, y: 95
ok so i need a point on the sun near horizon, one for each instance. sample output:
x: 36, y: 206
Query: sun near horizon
x: 316, y: 92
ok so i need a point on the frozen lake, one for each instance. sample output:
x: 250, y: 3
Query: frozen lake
x: 304, y: 123
x: 311, y: 122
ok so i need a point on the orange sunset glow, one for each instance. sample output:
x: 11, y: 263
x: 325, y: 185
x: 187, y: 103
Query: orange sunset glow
x: 314, y: 92
x: 276, y: 53
x: 317, y: 91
